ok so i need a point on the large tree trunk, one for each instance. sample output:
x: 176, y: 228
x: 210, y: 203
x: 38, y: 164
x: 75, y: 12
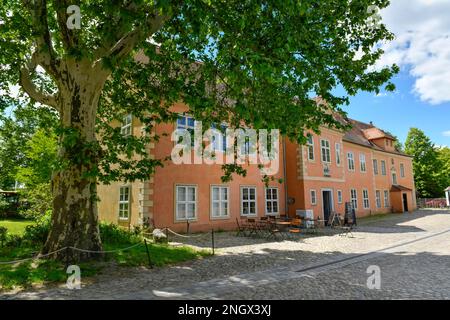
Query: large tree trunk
x: 75, y: 218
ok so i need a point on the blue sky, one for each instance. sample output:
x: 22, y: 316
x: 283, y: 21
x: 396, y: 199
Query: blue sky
x: 398, y: 111
x: 421, y: 49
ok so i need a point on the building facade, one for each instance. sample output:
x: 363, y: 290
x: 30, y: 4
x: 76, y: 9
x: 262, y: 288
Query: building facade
x: 178, y: 194
x: 360, y: 166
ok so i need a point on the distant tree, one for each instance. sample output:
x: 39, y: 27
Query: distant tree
x: 40, y: 159
x: 426, y: 164
x: 444, y: 158
x: 18, y: 124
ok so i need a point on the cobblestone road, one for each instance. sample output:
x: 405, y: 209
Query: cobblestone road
x: 411, y: 250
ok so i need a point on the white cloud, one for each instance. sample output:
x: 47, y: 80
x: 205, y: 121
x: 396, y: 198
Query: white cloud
x: 446, y: 133
x: 422, y: 29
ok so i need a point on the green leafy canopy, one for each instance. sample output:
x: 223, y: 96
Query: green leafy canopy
x: 251, y: 62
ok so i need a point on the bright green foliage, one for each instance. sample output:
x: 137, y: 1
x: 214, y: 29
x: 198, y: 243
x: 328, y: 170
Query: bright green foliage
x: 444, y: 158
x: 18, y: 126
x: 426, y: 164
x: 38, y: 199
x: 41, y: 159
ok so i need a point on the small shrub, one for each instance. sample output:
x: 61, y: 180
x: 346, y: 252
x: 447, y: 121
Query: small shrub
x: 38, y: 201
x: 38, y: 232
x: 4, y: 207
x: 3, y: 235
x: 112, y: 233
x: 13, y: 241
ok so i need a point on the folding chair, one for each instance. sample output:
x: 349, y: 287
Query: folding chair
x: 241, y: 228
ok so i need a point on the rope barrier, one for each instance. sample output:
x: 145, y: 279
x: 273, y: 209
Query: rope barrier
x: 107, y: 251
x: 39, y: 256
x: 184, y: 236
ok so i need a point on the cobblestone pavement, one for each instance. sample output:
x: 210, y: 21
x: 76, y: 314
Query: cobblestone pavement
x: 411, y: 251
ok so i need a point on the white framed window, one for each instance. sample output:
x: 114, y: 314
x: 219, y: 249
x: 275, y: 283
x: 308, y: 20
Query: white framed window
x: 126, y: 127
x: 220, y: 201
x: 383, y: 167
x: 186, y: 122
x: 313, y: 195
x: 354, y: 198
x: 386, y: 198
x: 378, y: 198
x: 310, y: 146
x: 351, y: 161
x: 362, y: 162
x: 325, y: 150
x: 186, y: 202
x: 219, y: 139
x: 337, y: 146
x: 402, y: 170
x: 246, y: 146
x: 248, y: 201
x: 124, y: 202
x: 272, y: 201
x: 375, y: 166
x: 394, y: 178
x: 366, y: 202
x: 339, y: 196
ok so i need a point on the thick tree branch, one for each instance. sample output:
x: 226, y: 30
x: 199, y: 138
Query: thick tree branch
x: 69, y: 37
x: 30, y: 88
x: 126, y: 44
x: 47, y: 55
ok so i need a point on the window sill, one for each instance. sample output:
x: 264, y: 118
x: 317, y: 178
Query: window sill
x: 185, y: 220
x: 219, y: 218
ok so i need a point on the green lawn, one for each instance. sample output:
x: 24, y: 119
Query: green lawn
x: 15, y: 226
x: 28, y: 273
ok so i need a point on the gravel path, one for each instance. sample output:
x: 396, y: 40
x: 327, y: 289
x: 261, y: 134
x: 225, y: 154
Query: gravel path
x: 246, y: 268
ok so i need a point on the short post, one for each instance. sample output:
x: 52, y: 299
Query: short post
x: 187, y: 226
x: 212, y: 240
x: 148, y: 254
x: 167, y: 234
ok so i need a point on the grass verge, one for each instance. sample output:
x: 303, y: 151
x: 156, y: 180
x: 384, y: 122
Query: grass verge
x: 15, y: 226
x: 29, y: 273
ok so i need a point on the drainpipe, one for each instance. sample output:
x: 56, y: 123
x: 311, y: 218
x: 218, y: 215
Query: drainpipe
x: 286, y: 209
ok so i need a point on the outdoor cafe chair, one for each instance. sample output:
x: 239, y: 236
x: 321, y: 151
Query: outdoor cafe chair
x: 252, y: 227
x: 241, y: 228
x: 274, y: 231
x: 294, y: 228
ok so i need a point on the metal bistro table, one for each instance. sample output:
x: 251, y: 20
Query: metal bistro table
x: 283, y: 224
